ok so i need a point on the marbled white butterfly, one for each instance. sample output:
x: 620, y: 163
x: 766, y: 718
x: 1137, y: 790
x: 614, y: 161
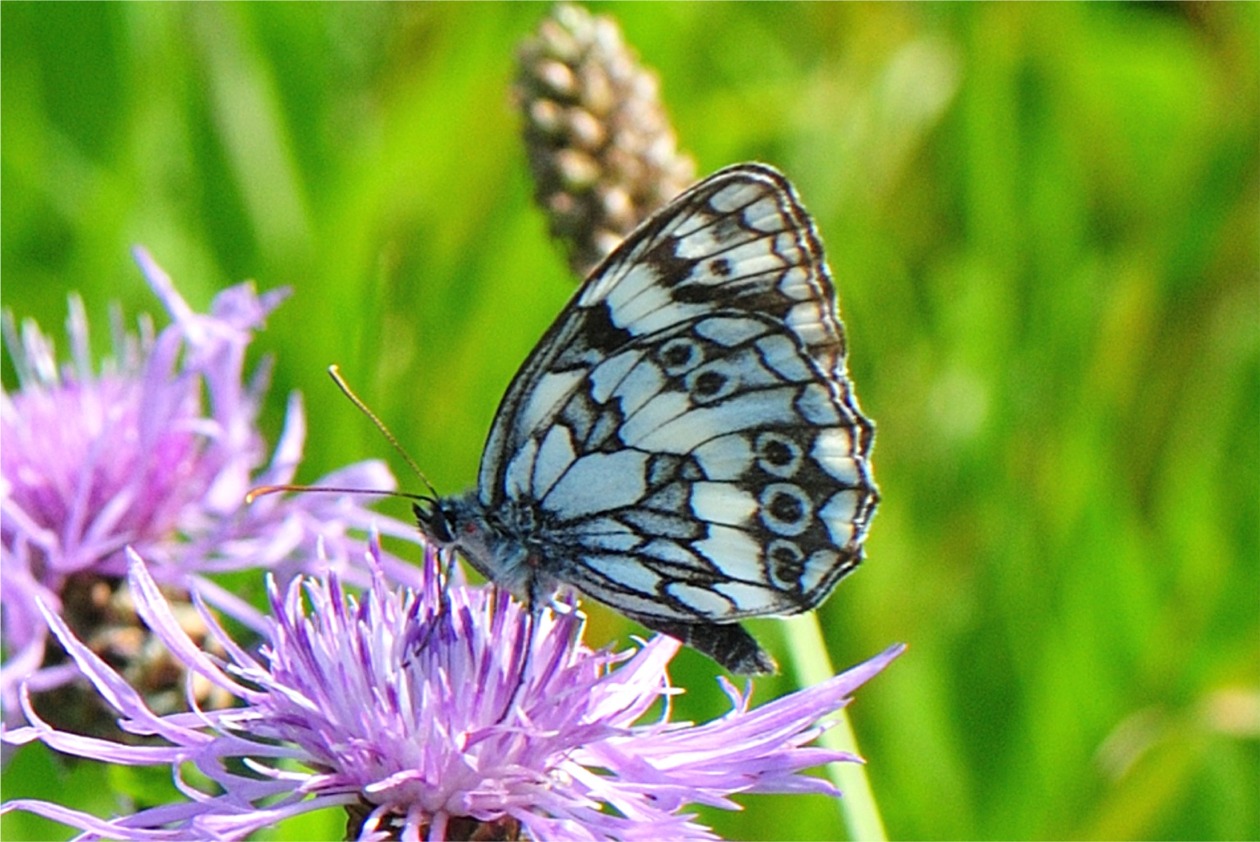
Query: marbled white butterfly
x: 684, y: 444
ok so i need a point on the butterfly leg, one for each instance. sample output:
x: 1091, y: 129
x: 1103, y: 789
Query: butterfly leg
x: 442, y: 586
x: 727, y: 643
x: 521, y: 664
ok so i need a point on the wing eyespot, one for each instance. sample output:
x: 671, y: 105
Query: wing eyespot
x: 679, y: 355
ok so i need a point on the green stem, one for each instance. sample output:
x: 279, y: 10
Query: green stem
x: 813, y: 666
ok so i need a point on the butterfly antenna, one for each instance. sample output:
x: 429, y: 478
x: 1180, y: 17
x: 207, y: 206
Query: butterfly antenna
x: 335, y: 373
x: 264, y: 490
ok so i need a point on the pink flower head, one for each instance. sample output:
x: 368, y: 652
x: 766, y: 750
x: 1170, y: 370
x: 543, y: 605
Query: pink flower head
x: 427, y: 713
x: 152, y: 449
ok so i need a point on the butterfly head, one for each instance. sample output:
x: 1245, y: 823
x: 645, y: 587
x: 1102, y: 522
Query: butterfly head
x: 436, y: 520
x: 454, y: 522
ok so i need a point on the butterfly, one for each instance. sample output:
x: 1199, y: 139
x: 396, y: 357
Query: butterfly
x: 684, y: 444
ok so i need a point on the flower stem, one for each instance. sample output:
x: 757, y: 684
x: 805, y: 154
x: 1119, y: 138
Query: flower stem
x: 812, y: 665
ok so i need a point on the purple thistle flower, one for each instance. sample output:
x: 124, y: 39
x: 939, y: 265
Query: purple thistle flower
x: 433, y: 714
x: 154, y: 449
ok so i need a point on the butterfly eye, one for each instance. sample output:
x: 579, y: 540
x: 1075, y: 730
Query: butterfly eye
x: 434, y: 522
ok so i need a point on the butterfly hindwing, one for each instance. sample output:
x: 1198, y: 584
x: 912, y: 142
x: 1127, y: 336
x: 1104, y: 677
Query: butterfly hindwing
x: 698, y: 474
x: 684, y: 444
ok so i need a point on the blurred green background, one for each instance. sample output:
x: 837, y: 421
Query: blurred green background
x: 1043, y: 220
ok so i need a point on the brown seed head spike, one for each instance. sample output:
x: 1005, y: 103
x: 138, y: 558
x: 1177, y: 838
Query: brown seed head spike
x: 600, y: 146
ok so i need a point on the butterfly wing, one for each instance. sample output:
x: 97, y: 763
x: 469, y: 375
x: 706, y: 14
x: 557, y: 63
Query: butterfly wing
x: 685, y: 434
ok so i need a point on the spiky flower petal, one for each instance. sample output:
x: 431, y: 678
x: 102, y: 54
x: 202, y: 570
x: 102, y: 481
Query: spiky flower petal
x: 154, y: 448
x: 435, y: 714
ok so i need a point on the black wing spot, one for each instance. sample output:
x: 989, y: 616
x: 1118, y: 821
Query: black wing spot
x: 786, y: 510
x: 708, y: 383
x: 712, y: 383
x: 680, y: 354
x: 663, y: 257
x: 599, y: 331
x: 786, y: 507
x: 787, y: 563
x: 692, y: 293
x: 777, y: 453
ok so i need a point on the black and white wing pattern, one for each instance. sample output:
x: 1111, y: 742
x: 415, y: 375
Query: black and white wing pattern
x: 684, y: 443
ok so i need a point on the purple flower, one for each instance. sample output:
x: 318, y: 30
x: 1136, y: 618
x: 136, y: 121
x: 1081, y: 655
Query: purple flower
x: 432, y: 713
x: 153, y: 449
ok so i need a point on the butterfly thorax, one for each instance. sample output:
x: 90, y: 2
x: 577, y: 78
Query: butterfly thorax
x: 508, y: 545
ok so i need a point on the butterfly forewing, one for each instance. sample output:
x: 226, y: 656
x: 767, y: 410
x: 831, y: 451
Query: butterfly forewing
x: 684, y: 443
